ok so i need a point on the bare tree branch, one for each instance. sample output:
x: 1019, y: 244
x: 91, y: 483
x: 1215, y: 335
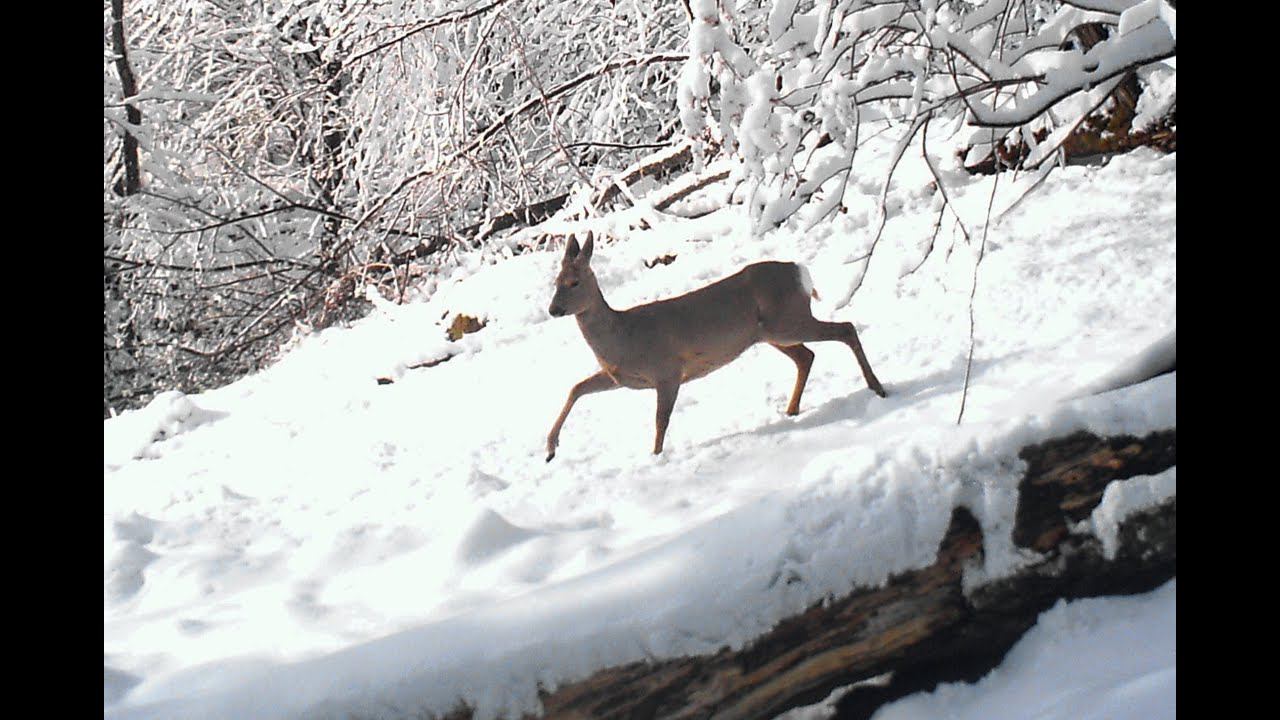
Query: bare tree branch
x: 510, y: 115
x: 435, y: 22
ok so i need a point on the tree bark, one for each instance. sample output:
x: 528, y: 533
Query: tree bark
x: 131, y: 182
x: 921, y: 626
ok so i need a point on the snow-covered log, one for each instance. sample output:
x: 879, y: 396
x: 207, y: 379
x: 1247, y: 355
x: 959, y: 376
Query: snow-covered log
x: 930, y: 625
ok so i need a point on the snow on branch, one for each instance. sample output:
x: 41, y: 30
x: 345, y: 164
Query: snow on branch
x: 447, y: 19
x: 785, y: 85
x: 1115, y: 7
x: 388, y: 128
x: 502, y: 122
x: 1075, y: 73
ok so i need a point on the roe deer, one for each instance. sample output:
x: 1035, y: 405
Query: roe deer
x: 669, y: 342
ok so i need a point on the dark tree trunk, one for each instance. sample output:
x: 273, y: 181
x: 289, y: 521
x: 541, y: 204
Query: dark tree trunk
x: 130, y: 183
x: 334, y: 134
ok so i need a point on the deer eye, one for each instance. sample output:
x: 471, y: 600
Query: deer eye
x: 573, y: 284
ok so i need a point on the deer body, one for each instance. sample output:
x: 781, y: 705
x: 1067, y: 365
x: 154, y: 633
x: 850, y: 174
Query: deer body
x: 685, y: 337
x: 666, y: 343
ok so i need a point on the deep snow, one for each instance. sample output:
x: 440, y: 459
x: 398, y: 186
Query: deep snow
x: 307, y: 541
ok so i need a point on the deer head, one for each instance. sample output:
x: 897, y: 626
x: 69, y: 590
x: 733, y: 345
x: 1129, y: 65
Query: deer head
x: 576, y: 286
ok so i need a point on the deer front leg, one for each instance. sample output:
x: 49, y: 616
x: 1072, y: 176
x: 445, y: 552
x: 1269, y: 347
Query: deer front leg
x: 594, y: 384
x: 667, y: 392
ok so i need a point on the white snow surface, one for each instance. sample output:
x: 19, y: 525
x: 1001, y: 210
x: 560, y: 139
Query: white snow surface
x: 308, y: 543
x: 1124, y: 498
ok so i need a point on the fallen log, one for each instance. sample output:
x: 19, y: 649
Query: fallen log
x: 921, y: 626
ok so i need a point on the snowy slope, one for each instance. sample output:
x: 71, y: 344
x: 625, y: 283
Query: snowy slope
x: 306, y: 541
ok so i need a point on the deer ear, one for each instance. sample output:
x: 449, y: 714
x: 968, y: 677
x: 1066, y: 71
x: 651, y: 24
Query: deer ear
x: 571, y: 249
x: 588, y: 247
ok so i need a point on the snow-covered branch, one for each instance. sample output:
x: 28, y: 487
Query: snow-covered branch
x: 793, y: 76
x: 271, y: 129
x: 1081, y: 73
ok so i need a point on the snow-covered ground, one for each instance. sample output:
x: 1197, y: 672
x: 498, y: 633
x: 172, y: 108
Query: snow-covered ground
x: 307, y: 541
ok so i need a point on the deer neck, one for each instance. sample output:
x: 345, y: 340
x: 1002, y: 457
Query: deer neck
x: 599, y: 324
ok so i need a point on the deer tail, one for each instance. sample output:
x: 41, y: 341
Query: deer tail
x: 806, y: 282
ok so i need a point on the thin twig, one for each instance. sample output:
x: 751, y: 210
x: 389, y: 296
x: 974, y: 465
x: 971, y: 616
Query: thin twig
x: 134, y: 264
x: 973, y: 290
x: 621, y: 146
x: 553, y: 127
x: 946, y: 199
x: 249, y: 216
x: 435, y: 22
x: 881, y: 207
x: 510, y: 115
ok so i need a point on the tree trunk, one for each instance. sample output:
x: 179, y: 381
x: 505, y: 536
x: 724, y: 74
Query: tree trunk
x: 921, y: 626
x: 334, y: 130
x: 130, y: 183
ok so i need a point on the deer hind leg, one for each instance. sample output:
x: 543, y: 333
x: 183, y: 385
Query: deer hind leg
x: 803, y: 358
x: 796, y: 329
x: 852, y: 341
x: 594, y: 384
x: 667, y: 392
